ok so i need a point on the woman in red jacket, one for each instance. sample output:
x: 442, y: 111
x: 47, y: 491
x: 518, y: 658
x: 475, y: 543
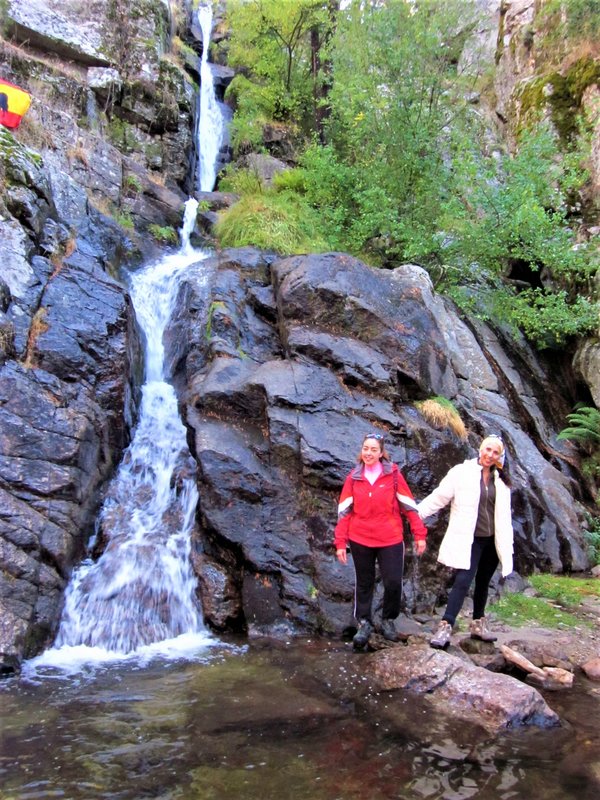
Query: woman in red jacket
x: 373, y: 501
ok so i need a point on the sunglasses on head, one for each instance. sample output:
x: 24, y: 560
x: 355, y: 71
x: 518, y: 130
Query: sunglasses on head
x: 379, y: 436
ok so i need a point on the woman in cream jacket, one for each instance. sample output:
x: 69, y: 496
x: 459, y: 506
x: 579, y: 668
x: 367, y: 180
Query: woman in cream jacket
x: 479, y: 533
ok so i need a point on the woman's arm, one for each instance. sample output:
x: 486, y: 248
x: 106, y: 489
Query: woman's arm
x: 440, y: 497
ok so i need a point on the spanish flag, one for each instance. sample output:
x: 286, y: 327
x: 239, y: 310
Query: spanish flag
x: 14, y: 102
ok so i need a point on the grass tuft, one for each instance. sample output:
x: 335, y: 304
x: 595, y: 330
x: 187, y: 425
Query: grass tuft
x: 441, y: 413
x: 271, y: 221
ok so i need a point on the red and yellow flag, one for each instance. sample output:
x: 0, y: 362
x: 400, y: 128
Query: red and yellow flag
x: 14, y: 102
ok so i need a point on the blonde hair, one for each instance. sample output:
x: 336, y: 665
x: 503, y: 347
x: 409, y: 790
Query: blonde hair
x: 494, y: 439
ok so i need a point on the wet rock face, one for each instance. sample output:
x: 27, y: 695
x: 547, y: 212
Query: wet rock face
x: 70, y: 355
x: 285, y: 364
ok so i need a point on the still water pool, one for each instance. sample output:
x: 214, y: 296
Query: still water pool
x: 266, y: 721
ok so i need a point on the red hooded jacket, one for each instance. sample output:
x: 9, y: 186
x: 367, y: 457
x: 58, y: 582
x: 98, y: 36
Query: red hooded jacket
x: 372, y: 514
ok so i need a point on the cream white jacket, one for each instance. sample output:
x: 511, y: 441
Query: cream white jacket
x: 461, y: 488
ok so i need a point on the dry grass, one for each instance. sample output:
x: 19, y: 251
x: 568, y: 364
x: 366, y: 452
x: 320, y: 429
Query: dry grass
x: 36, y: 329
x: 78, y: 153
x: 57, y: 259
x: 33, y: 134
x: 441, y: 414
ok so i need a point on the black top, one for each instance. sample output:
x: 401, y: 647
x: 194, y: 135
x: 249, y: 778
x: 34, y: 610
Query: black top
x: 487, y: 504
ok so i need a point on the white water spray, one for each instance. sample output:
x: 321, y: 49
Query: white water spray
x: 210, y: 126
x: 142, y: 589
x: 138, y: 599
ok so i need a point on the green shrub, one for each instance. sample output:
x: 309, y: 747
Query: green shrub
x: 592, y: 539
x: 240, y: 181
x: 164, y: 234
x: 290, y: 180
x: 124, y: 220
x: 271, y: 221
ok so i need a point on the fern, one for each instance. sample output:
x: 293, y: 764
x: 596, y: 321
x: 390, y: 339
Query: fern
x: 584, y: 425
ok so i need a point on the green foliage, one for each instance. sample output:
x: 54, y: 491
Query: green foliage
x: 512, y: 221
x: 518, y: 610
x: 592, y: 539
x: 133, y: 184
x: 273, y: 221
x: 253, y: 105
x: 270, y: 48
x: 240, y: 181
x: 546, y: 317
x: 290, y: 180
x: 584, y: 426
x: 401, y: 170
x: 124, y: 220
x: 164, y: 234
x: 216, y: 304
x: 565, y: 22
x: 565, y: 590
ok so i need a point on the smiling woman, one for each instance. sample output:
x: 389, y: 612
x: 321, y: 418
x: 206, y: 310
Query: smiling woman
x: 479, y: 533
x: 373, y: 502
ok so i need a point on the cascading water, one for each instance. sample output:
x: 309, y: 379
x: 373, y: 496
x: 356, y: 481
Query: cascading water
x: 210, y: 128
x: 142, y: 589
x: 140, y: 594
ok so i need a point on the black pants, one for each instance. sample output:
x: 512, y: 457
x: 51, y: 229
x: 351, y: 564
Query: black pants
x: 484, y: 561
x: 391, y: 569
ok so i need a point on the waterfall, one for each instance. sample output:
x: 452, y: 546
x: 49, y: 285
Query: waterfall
x: 139, y: 597
x: 142, y: 588
x: 210, y: 126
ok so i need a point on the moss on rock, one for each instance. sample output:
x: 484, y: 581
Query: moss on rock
x: 560, y: 94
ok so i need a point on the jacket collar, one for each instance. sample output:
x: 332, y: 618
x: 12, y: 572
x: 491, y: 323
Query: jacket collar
x: 357, y: 472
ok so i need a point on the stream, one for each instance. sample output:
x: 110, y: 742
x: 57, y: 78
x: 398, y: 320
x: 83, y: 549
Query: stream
x: 265, y: 720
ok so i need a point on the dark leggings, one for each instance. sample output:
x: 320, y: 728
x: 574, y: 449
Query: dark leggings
x: 484, y: 561
x: 391, y: 568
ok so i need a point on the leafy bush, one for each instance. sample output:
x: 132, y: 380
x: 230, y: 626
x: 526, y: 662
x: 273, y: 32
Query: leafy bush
x: 164, y: 234
x: 592, y: 539
x: 290, y: 180
x: 584, y: 426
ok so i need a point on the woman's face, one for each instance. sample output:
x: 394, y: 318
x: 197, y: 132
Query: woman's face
x: 371, y: 451
x: 490, y: 453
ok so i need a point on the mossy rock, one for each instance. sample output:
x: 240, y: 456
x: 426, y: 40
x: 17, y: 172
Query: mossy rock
x: 560, y: 94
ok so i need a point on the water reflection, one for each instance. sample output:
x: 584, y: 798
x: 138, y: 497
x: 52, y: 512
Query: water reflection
x: 266, y: 722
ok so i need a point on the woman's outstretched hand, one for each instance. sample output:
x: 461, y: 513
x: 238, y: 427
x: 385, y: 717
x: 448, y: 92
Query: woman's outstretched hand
x: 420, y: 546
x: 342, y: 556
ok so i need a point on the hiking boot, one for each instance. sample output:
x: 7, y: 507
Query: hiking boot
x: 479, y: 630
x: 361, y: 637
x: 388, y: 630
x: 441, y: 637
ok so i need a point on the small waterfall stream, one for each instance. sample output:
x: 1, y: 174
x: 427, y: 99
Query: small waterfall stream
x: 140, y: 593
x: 142, y: 588
x: 210, y: 128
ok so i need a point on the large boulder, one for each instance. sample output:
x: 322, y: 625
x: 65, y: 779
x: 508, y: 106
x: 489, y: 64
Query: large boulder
x: 38, y: 24
x: 284, y: 364
x: 459, y: 689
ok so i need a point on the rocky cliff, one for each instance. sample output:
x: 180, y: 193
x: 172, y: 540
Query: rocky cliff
x: 281, y: 366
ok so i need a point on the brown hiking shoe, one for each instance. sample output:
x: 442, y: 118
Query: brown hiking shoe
x: 442, y: 635
x: 479, y: 630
